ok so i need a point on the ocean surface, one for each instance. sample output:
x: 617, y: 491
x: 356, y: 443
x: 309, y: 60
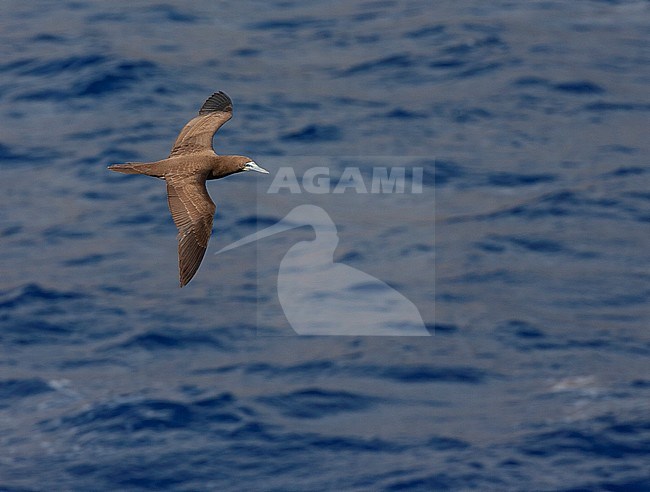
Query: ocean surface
x: 525, y: 247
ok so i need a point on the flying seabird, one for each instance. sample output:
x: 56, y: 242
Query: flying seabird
x: 191, y: 162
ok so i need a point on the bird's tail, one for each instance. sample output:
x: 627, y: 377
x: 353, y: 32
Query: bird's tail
x: 148, y: 168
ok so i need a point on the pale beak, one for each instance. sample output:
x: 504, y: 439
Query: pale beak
x: 251, y: 166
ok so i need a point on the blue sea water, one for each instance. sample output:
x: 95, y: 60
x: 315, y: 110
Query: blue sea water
x: 526, y: 254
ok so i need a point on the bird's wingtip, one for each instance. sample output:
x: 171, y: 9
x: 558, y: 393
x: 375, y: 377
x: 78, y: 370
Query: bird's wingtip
x: 219, y: 101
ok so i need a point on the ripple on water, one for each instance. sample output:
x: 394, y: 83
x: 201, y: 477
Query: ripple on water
x: 34, y: 293
x: 314, y: 133
x: 12, y: 389
x: 314, y: 403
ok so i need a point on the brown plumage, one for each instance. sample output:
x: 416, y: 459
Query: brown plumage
x: 191, y: 162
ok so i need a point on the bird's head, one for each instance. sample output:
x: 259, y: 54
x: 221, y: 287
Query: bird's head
x: 225, y: 165
x: 247, y: 164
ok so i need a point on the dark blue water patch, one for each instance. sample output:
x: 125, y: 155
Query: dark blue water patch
x: 59, y: 65
x: 361, y: 103
x: 43, y: 95
x: 565, y: 202
x: 213, y: 413
x: 92, y: 259
x: 469, y: 115
x: 579, y: 87
x: 11, y: 230
x: 86, y: 363
x: 48, y: 38
x: 155, y: 415
x: 640, y: 383
x: 100, y: 79
x: 107, y: 17
x: 529, y: 101
x: 143, y: 471
x: 172, y: 13
x: 554, y: 204
x: 499, y: 275
x: 627, y: 171
x: 92, y: 134
x: 353, y: 445
x: 58, y: 233
x: 515, y: 179
x: 489, y: 246
x: 621, y: 300
x: 221, y: 409
x: 521, y: 335
x: 619, y: 149
x: 428, y: 373
x: 99, y: 195
x: 444, y: 172
x: 162, y: 339
x: 252, y: 431
x: 246, y: 52
x: 139, y: 476
x: 437, y: 481
x: 315, y: 403
x: 479, y: 69
x: 365, y: 16
x: 537, y: 245
x: 304, y: 370
x: 118, y: 78
x: 425, y: 32
x: 602, y: 106
x: 314, y: 133
x: 31, y: 156
x: 404, y: 114
x: 530, y: 81
x: 291, y: 25
x: 638, y: 426
x: 453, y: 297
x: 391, y: 62
x: 447, y: 63
x: 21, y: 330
x: 442, y: 329
x: 225, y: 399
x: 16, y: 64
x: 352, y: 257
x: 569, y: 344
x: 259, y: 367
x: 636, y: 484
x: 11, y: 389
x: 645, y: 218
x: 83, y: 469
x: 593, y: 442
x: 519, y: 329
x: 8, y: 154
x: 447, y: 443
x: 257, y: 221
x: 34, y: 293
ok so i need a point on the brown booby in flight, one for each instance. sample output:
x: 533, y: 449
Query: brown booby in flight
x: 191, y: 162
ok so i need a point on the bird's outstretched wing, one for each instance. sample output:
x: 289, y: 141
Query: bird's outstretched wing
x: 193, y: 213
x: 197, y: 135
